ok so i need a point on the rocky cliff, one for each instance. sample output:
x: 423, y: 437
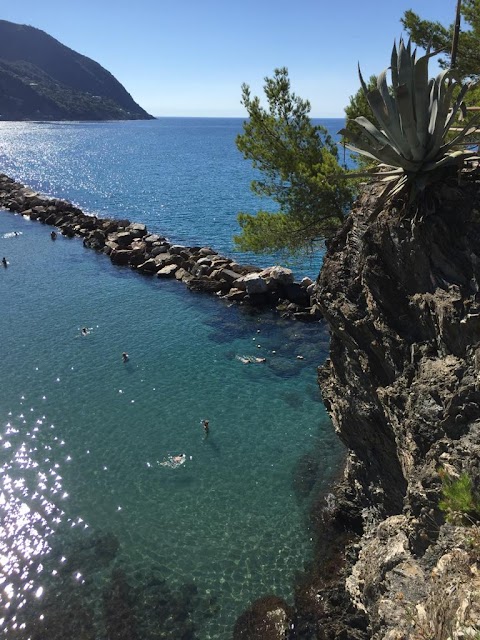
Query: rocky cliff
x: 41, y: 79
x: 402, y: 385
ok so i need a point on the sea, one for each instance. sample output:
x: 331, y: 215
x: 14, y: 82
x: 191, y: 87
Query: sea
x: 119, y: 517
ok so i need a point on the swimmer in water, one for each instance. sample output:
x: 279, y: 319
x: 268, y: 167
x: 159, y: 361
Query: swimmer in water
x: 84, y: 331
x: 174, y: 461
x: 125, y: 356
x: 53, y: 235
x: 206, y: 427
x: 249, y: 359
x: 4, y: 261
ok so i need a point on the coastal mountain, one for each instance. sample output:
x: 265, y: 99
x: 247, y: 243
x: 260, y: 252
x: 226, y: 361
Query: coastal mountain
x: 42, y: 79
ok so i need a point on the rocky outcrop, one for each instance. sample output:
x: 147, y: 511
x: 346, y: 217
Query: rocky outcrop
x: 402, y: 385
x: 199, y: 268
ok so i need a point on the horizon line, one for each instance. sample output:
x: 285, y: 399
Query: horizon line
x: 246, y: 117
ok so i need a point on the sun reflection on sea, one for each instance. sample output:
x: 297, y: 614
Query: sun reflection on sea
x: 29, y: 516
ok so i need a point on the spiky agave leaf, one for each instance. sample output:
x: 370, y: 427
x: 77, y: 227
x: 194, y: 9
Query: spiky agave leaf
x: 414, y: 117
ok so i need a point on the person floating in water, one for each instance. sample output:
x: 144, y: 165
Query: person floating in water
x: 125, y: 356
x: 53, y: 235
x: 249, y: 359
x: 174, y: 461
x: 206, y: 427
x: 4, y: 262
x: 85, y: 331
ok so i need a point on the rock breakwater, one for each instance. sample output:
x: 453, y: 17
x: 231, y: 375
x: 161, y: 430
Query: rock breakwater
x: 199, y: 268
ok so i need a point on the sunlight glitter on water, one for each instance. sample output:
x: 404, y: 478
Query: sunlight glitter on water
x: 200, y: 540
x: 28, y: 519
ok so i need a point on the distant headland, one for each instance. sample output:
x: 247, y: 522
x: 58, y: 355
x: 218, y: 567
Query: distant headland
x: 43, y: 79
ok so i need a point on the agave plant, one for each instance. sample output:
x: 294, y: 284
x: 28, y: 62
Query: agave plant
x: 414, y: 117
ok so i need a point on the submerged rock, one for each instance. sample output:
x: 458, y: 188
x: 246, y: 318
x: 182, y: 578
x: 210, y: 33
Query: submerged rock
x: 268, y: 618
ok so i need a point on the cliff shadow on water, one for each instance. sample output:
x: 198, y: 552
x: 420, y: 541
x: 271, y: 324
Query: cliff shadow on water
x: 399, y: 288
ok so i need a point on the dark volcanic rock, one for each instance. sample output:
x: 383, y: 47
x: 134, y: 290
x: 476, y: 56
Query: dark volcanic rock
x: 401, y: 296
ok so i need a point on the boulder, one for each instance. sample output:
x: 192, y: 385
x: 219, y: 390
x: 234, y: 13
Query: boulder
x: 137, y: 230
x: 277, y: 275
x: 236, y: 295
x: 306, y: 282
x: 149, y: 266
x: 121, y: 256
x: 181, y: 273
x: 207, y: 251
x: 228, y: 275
x: 268, y: 618
x: 203, y: 284
x: 204, y: 261
x: 254, y: 284
x: 168, y: 271
x: 150, y: 239
x: 99, y: 235
x: 177, y: 249
x: 165, y: 258
x: 156, y: 251
x: 123, y: 238
x: 200, y: 270
x: 110, y: 246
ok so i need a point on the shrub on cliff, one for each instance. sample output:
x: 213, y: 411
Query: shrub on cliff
x: 413, y: 116
x: 459, y: 502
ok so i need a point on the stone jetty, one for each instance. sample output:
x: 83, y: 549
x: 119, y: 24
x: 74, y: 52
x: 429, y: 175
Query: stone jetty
x: 130, y: 244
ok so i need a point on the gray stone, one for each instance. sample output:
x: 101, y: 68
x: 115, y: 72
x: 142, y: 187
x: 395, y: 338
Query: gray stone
x: 254, y: 284
x: 137, y: 230
x: 277, y: 275
x: 168, y: 271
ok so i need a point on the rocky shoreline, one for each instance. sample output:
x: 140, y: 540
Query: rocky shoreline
x: 402, y: 385
x: 402, y: 299
x: 199, y: 268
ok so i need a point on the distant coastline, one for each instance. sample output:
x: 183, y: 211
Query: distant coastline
x: 43, y: 80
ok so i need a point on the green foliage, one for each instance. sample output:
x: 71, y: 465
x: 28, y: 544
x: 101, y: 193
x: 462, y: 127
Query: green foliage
x: 426, y: 32
x: 358, y: 106
x: 414, y: 117
x: 459, y: 501
x: 298, y: 169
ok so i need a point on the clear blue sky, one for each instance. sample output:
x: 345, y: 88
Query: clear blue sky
x: 190, y: 57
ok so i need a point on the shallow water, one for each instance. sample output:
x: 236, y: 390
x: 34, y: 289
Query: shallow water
x: 96, y: 534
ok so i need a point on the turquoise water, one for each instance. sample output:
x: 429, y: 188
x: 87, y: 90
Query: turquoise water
x: 183, y: 177
x: 97, y: 535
